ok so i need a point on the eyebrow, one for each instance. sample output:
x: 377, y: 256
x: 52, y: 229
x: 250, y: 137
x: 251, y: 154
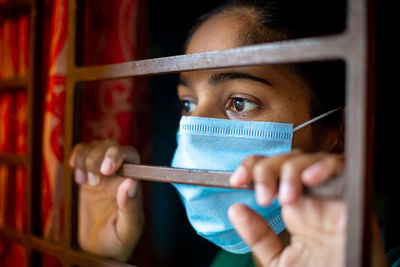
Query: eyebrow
x: 183, y: 82
x: 230, y: 76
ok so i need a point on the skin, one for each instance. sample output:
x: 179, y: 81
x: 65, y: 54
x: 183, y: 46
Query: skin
x: 110, y: 211
x: 317, y: 227
x: 285, y: 98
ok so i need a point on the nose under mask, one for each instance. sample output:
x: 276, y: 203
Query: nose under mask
x: 219, y: 144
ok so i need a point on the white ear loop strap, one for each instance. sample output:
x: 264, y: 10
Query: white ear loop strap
x: 315, y: 119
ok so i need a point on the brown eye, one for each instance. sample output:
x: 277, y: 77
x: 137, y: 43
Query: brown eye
x: 238, y: 104
x: 188, y: 106
x: 242, y: 105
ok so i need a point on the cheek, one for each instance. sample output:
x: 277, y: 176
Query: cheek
x: 287, y: 108
x: 294, y: 114
x: 304, y: 139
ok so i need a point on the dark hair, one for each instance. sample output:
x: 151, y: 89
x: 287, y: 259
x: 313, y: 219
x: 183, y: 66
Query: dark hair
x: 279, y: 20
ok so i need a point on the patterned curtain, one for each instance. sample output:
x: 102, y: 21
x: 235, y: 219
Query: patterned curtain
x: 114, y: 108
x: 53, y: 124
x: 115, y: 31
x: 111, y: 109
x: 14, y: 56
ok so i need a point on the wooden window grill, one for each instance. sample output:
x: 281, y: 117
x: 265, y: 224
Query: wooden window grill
x: 353, y: 46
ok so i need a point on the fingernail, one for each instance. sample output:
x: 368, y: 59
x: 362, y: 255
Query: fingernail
x: 133, y: 190
x: 93, y: 179
x: 238, y: 176
x: 263, y: 194
x: 106, y: 165
x: 79, y: 176
x: 286, y: 192
x: 310, y: 172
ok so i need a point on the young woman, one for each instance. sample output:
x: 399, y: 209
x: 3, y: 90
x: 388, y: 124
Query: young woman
x: 110, y: 213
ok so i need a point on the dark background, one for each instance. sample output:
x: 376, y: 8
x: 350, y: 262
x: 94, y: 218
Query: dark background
x: 174, y: 241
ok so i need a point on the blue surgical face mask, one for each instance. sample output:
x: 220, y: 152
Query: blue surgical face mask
x: 219, y: 144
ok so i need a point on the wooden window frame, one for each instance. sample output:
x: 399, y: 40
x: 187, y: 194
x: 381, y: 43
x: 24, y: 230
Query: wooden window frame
x: 354, y: 46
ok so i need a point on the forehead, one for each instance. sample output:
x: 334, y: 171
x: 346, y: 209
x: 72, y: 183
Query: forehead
x: 224, y: 31
x: 216, y: 33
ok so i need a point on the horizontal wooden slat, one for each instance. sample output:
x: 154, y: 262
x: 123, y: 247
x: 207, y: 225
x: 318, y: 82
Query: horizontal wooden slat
x: 13, y: 84
x: 79, y: 258
x: 334, y: 188
x: 176, y: 175
x: 13, y: 235
x: 309, y: 49
x: 14, y: 159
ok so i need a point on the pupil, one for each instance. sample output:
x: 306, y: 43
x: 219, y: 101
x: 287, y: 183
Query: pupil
x: 239, y: 104
x: 186, y: 105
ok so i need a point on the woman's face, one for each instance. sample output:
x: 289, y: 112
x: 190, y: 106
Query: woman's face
x: 259, y: 93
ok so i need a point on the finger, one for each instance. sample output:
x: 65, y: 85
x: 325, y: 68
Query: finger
x: 77, y: 161
x: 290, y: 184
x: 266, y: 177
x: 80, y: 176
x: 242, y: 175
x: 77, y: 150
x: 95, y: 157
x: 126, y: 193
x: 72, y: 157
x: 93, y: 161
x: 312, y: 217
x: 323, y: 169
x: 115, y: 156
x: 130, y: 215
x: 256, y: 232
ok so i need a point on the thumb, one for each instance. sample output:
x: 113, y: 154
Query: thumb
x: 130, y: 219
x: 255, y: 231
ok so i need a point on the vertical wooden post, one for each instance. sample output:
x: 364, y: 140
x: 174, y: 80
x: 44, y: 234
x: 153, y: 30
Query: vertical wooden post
x: 69, y: 123
x: 359, y: 148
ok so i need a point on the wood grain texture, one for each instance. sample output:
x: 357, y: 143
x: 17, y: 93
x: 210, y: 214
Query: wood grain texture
x: 309, y: 49
x: 358, y: 135
x: 334, y: 188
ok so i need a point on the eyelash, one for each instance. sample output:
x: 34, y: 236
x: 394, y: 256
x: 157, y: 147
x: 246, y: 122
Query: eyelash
x: 235, y: 104
x: 186, y: 105
x: 238, y: 104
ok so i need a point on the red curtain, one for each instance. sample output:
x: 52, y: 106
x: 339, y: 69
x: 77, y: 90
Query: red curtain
x: 113, y: 32
x: 115, y: 108
x: 13, y: 134
x: 53, y: 124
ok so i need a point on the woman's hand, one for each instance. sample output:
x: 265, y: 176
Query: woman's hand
x: 110, y: 210
x: 317, y: 227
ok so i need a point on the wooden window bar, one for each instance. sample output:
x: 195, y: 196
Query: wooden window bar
x: 352, y: 46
